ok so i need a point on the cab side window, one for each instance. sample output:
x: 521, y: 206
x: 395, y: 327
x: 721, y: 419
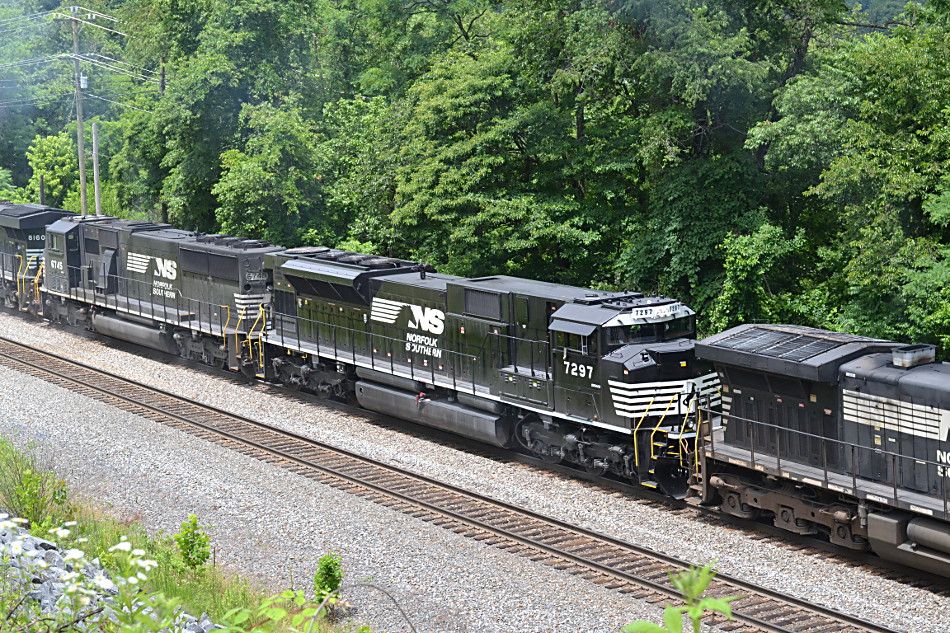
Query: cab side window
x: 582, y: 344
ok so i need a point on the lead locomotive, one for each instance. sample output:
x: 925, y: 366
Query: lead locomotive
x: 822, y: 432
x: 606, y: 381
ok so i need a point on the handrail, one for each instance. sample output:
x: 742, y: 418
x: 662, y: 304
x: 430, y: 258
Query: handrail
x: 237, y: 326
x: 19, y: 277
x: 660, y: 423
x: 224, y: 331
x: 849, y: 451
x: 260, y: 344
x: 36, y: 281
x: 636, y: 453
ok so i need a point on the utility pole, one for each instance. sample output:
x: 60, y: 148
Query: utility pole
x: 95, y: 166
x: 79, y: 128
x: 161, y: 91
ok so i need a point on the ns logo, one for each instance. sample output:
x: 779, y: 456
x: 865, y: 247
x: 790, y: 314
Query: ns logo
x: 387, y: 311
x: 166, y: 268
x: 428, y: 319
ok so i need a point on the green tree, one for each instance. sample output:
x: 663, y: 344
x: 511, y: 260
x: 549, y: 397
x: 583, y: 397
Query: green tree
x: 865, y: 135
x: 272, y: 187
x: 53, y: 157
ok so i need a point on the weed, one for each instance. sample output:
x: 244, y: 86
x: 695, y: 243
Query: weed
x: 691, y: 584
x: 27, y: 489
x: 193, y: 544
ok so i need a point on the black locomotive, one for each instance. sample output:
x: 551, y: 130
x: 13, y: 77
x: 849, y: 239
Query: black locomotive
x: 825, y: 432
x: 607, y: 381
x: 833, y: 433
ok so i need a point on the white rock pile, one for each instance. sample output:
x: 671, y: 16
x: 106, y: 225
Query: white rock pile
x: 62, y: 586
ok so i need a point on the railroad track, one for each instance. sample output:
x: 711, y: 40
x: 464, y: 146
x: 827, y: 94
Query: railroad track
x: 613, y: 563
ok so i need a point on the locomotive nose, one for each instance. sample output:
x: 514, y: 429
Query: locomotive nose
x: 669, y: 360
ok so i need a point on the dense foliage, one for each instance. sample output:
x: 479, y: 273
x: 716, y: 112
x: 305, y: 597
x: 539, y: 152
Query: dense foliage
x: 762, y: 160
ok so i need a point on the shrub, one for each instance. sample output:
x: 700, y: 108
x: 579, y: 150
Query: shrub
x: 193, y: 543
x: 27, y: 489
x: 328, y: 576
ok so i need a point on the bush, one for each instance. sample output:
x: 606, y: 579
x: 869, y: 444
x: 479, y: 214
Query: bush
x: 328, y: 576
x: 27, y: 489
x: 193, y: 544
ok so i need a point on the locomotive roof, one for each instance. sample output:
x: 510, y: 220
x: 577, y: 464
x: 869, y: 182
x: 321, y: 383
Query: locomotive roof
x: 793, y: 350
x: 541, y: 289
x: 167, y: 233
x: 212, y: 244
x: 629, y: 311
x: 925, y: 384
x: 28, y: 216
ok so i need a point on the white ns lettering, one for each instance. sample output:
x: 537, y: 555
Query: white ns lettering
x: 576, y: 369
x: 166, y: 268
x: 428, y: 319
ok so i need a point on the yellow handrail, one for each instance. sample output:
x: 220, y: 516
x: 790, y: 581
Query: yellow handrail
x: 29, y: 262
x: 260, y: 337
x: 19, y: 276
x: 224, y: 332
x: 636, y: 453
x: 660, y: 423
x: 36, y: 282
x: 250, y: 332
x: 237, y: 326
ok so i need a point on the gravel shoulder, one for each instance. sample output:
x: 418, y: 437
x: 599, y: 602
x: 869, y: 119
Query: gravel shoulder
x: 273, y: 525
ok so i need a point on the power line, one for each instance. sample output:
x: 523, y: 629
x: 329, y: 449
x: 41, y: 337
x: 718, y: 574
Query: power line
x: 22, y: 18
x: 23, y: 28
x: 112, y: 67
x: 74, y: 12
x: 122, y: 63
x: 125, y: 105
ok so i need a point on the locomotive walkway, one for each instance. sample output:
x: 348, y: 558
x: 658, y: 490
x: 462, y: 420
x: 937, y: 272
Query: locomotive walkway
x: 610, y: 562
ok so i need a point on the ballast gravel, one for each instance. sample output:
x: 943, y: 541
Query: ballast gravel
x: 272, y: 525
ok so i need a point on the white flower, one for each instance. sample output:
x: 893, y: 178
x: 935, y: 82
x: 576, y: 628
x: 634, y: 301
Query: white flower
x: 4, y: 517
x: 32, y: 553
x: 84, y: 601
x: 145, y: 564
x: 70, y: 575
x: 141, y: 576
x: 132, y: 580
x: 69, y: 523
x: 123, y: 546
x: 7, y: 525
x: 82, y: 540
x: 19, y: 520
x: 102, y: 582
x: 138, y: 552
x: 73, y: 554
x: 59, y: 532
x: 16, y: 548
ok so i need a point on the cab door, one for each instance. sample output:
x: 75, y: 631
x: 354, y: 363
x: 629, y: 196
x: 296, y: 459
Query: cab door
x: 575, y: 371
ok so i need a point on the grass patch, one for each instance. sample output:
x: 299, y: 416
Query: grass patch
x: 72, y: 522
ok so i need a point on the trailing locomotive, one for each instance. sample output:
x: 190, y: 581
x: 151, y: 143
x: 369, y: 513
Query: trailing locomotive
x: 832, y: 433
x: 823, y: 432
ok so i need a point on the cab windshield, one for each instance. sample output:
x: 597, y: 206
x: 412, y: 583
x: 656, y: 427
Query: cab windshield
x: 684, y: 327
